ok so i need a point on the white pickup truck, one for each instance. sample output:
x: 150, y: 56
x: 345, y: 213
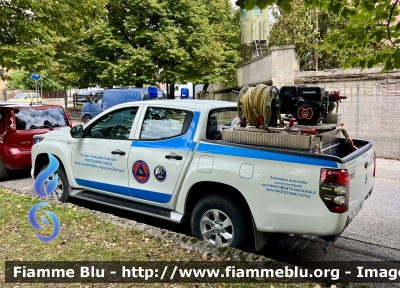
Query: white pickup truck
x: 160, y: 158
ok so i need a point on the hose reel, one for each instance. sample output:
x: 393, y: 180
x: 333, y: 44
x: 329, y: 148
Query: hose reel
x: 259, y: 106
x: 272, y: 111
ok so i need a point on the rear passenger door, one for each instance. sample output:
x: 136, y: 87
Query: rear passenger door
x: 158, y: 154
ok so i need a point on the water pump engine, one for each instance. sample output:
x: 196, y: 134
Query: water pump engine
x: 309, y: 105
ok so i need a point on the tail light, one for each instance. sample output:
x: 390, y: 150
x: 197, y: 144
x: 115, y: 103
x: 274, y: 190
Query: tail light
x: 334, y: 189
x: 11, y: 122
x: 374, y: 163
x: 69, y: 119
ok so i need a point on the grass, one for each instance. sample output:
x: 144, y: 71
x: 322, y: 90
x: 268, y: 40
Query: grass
x: 83, y: 238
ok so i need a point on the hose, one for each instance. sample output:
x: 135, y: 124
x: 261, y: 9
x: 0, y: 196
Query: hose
x: 256, y: 101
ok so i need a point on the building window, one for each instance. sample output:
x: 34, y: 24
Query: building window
x: 243, y: 12
x: 257, y: 11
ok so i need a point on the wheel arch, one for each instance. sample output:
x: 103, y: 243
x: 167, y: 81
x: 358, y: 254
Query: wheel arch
x: 43, y: 159
x: 202, y: 189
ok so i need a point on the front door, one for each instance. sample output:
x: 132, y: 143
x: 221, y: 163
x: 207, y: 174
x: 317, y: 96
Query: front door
x: 159, y: 153
x: 100, y: 158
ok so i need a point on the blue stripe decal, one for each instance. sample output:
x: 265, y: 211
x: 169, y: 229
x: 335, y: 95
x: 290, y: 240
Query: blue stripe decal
x: 150, y: 195
x: 104, y: 186
x: 126, y: 191
x: 265, y: 155
x: 183, y: 142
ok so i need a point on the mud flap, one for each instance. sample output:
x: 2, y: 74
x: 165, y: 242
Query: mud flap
x: 329, y: 241
x: 260, y: 238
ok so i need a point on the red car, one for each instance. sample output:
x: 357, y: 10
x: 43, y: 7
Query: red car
x: 18, y: 123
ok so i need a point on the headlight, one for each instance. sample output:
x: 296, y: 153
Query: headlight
x: 37, y: 138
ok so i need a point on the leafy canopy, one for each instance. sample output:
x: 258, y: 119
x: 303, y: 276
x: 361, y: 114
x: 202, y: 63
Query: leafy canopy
x: 32, y: 32
x: 371, y: 24
x: 165, y: 41
x: 299, y: 28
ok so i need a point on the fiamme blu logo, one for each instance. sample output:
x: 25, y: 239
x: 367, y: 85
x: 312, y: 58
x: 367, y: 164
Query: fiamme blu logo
x: 44, y: 187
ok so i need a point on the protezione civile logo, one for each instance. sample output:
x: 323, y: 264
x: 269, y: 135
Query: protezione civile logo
x: 44, y: 191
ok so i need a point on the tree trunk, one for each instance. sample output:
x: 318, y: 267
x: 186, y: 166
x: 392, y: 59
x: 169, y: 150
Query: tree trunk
x: 205, y: 87
x: 139, y: 85
x: 171, y: 94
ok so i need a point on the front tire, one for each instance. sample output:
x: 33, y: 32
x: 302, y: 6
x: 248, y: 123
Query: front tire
x: 61, y: 193
x: 86, y: 119
x: 220, y: 220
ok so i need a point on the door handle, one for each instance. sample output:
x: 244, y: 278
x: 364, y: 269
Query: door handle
x: 177, y: 157
x: 119, y: 152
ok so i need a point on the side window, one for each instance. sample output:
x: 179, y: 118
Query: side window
x: 162, y: 123
x: 114, y: 125
x: 28, y: 96
x: 97, y: 97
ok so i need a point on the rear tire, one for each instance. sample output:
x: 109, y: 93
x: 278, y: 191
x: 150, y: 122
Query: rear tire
x: 4, y: 173
x: 61, y: 193
x: 221, y: 221
x: 86, y: 119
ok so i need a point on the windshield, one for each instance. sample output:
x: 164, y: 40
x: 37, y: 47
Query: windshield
x: 19, y: 96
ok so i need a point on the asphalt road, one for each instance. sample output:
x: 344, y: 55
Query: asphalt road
x: 374, y: 234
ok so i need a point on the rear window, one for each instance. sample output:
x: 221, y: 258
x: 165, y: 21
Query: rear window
x: 36, y: 119
x: 217, y: 118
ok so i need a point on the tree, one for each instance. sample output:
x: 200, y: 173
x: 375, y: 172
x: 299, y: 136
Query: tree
x: 299, y: 28
x: 372, y: 24
x: 32, y: 32
x: 166, y: 41
x: 21, y: 79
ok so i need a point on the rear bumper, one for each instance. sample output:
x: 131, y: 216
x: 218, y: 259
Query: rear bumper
x: 326, y: 224
x: 16, y: 159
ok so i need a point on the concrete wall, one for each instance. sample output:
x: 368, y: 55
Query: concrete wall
x: 372, y: 109
x: 54, y: 101
x: 276, y: 67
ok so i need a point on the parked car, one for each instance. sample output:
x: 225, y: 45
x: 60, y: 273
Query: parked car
x: 27, y: 97
x: 103, y: 100
x: 18, y: 123
x: 85, y: 96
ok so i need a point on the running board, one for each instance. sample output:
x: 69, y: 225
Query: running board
x: 129, y: 205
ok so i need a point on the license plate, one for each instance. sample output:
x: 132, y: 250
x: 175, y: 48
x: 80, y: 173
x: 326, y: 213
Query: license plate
x: 354, y: 213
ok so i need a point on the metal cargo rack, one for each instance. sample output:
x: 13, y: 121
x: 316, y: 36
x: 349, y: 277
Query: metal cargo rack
x: 327, y: 138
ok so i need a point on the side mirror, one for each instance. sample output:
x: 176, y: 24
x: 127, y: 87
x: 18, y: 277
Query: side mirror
x: 76, y: 131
